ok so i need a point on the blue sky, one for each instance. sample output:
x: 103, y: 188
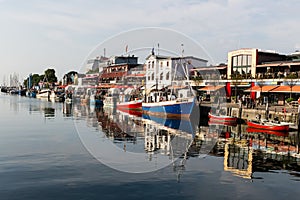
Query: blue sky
x: 39, y: 34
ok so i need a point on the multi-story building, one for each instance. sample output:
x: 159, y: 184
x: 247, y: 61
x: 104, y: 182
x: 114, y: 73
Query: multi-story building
x: 269, y: 73
x: 117, y: 69
x: 162, y: 71
x: 246, y: 62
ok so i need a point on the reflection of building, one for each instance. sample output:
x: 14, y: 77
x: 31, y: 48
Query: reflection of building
x: 157, y: 140
x: 238, y: 160
x: 162, y: 139
x: 259, y: 152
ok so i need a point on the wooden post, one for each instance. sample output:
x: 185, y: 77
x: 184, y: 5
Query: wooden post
x: 240, y: 110
x: 267, y: 111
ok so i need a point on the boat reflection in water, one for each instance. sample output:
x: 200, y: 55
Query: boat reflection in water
x: 143, y: 144
x: 150, y: 143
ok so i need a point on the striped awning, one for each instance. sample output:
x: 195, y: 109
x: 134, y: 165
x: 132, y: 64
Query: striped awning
x: 211, y: 88
x: 264, y: 88
x: 286, y: 89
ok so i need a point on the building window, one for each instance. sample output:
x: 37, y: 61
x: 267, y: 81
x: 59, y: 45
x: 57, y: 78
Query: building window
x: 152, y: 76
x: 241, y: 65
x: 161, y: 76
x: 152, y: 64
x: 167, y: 63
x: 168, y: 76
x: 161, y: 64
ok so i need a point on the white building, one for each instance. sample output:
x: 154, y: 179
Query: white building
x: 163, y: 71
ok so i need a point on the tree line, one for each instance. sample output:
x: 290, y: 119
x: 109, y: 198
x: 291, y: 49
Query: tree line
x: 48, y: 76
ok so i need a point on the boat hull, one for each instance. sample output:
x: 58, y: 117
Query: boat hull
x: 175, y: 108
x: 131, y: 105
x: 271, y: 127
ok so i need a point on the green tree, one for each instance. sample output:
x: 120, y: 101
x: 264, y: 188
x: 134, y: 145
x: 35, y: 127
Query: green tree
x: 50, y: 76
x: 36, y: 79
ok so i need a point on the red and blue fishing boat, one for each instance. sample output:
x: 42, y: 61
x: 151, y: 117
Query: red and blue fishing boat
x: 179, y: 108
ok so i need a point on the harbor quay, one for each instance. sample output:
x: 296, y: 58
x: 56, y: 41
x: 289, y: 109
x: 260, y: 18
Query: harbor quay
x: 285, y: 113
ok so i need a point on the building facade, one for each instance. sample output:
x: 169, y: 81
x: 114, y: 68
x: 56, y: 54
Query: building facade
x: 162, y: 71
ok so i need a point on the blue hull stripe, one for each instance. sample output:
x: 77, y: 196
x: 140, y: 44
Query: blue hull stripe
x: 183, y: 108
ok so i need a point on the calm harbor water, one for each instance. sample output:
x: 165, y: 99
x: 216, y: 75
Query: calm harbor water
x: 52, y: 151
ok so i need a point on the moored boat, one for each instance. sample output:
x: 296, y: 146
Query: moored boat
x: 267, y: 125
x: 179, y: 108
x: 46, y: 94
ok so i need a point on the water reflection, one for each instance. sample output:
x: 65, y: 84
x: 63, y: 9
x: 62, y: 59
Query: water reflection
x: 49, y: 112
x: 67, y: 110
x: 245, y: 150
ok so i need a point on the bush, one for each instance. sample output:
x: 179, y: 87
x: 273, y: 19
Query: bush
x: 288, y: 100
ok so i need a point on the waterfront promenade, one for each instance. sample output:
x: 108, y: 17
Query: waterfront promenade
x: 285, y: 113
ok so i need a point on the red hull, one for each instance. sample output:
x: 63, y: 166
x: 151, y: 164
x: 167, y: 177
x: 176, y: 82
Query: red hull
x: 133, y: 105
x: 278, y: 133
x: 136, y: 112
x: 222, y: 118
x: 268, y: 127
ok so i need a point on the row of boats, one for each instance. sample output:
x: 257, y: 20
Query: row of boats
x: 157, y: 103
x: 268, y: 125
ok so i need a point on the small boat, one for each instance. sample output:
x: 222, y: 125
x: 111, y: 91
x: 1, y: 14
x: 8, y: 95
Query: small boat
x: 130, y: 99
x: 268, y: 125
x: 221, y: 118
x: 46, y: 94
x: 278, y: 133
x: 130, y: 105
